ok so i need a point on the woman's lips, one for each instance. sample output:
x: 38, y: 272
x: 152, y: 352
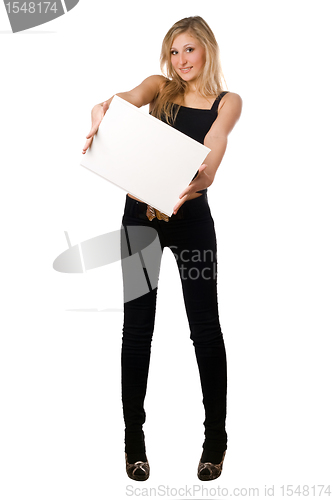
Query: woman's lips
x: 185, y: 70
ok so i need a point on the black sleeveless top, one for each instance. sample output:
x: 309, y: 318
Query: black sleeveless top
x: 196, y: 122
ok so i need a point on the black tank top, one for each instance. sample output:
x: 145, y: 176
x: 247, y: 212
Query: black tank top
x: 196, y: 122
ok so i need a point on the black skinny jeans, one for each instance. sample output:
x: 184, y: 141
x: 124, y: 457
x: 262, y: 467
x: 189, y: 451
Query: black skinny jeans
x: 191, y: 236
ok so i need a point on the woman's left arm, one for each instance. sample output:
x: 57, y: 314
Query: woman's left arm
x: 216, y: 140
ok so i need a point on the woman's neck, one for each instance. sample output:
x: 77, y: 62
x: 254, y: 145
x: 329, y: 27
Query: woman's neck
x: 191, y: 89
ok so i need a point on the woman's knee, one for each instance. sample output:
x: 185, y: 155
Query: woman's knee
x: 206, y: 334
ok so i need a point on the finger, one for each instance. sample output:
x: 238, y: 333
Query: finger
x: 179, y: 204
x: 87, y: 145
x: 105, y: 106
x: 176, y: 208
x: 186, y: 191
x: 202, y: 167
x: 93, y: 131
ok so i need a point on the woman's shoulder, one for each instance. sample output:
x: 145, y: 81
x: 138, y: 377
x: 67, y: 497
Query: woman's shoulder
x: 156, y: 80
x: 226, y: 94
x: 148, y: 89
x: 230, y: 97
x: 154, y: 84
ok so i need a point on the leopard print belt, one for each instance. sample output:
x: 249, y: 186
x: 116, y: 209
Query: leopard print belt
x: 153, y: 212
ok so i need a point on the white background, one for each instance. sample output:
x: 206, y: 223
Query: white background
x: 61, y: 417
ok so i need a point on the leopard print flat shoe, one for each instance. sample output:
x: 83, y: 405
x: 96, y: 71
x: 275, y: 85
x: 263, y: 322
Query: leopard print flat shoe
x: 208, y: 471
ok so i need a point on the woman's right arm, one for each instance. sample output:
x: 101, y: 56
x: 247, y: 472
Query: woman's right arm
x: 141, y: 95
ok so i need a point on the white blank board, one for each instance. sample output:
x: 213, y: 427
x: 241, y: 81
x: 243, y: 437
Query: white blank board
x: 143, y: 155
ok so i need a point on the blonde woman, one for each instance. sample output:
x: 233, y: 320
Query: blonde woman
x: 190, y: 98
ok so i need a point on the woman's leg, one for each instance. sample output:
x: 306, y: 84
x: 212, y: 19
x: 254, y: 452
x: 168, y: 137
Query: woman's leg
x: 195, y: 251
x: 138, y: 326
x: 139, y: 317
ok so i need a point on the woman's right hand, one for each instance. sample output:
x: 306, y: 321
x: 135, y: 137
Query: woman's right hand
x: 97, y: 115
x: 141, y: 95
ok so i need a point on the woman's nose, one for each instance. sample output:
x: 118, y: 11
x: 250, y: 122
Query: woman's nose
x: 182, y: 59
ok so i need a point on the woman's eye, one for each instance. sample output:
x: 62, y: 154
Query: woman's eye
x: 189, y: 49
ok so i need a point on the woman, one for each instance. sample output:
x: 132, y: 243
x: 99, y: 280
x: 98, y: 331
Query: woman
x: 191, y: 99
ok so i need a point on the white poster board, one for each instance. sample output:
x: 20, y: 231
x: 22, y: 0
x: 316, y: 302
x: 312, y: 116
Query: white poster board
x: 143, y: 155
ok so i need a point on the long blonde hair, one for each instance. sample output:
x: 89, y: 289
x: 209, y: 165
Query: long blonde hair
x: 209, y: 82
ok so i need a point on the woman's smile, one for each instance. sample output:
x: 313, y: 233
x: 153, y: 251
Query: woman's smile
x: 186, y: 70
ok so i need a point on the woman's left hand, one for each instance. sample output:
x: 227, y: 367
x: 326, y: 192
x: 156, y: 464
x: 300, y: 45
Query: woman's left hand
x: 202, y: 181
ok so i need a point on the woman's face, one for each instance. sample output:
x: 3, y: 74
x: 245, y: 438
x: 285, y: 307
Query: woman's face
x: 187, y: 56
